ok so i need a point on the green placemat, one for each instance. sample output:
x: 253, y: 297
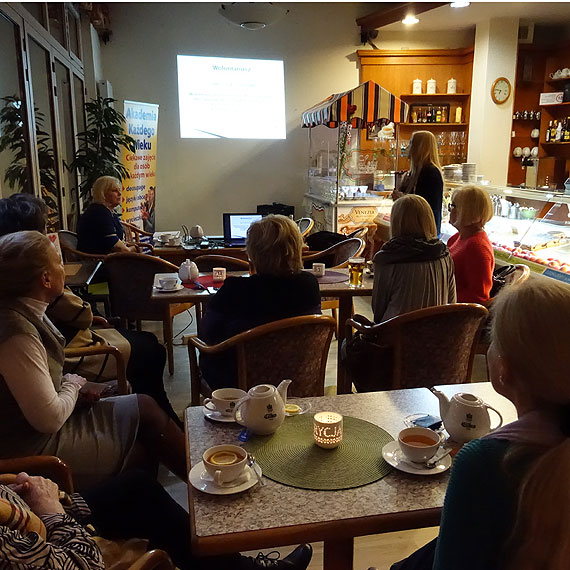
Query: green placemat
x: 291, y: 457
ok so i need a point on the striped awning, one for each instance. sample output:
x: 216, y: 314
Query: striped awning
x: 365, y: 104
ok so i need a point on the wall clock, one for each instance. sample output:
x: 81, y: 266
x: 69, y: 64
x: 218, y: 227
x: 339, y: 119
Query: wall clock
x: 501, y: 90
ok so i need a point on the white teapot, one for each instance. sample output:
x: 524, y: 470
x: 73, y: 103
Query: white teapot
x: 188, y: 271
x: 262, y: 411
x: 465, y: 416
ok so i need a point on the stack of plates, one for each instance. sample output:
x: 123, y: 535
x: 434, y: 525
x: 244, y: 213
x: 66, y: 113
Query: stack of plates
x: 468, y: 173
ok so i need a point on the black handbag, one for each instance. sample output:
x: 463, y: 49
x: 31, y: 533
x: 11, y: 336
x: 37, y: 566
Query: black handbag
x: 499, y: 277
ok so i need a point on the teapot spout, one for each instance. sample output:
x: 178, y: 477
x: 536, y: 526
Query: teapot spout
x: 282, y: 389
x: 443, y: 402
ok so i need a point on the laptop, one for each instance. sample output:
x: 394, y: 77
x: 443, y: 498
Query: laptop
x: 236, y: 226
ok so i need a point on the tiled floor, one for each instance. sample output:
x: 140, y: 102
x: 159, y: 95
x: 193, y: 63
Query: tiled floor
x: 379, y: 550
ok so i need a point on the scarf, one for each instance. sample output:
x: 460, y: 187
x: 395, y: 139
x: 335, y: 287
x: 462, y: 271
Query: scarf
x: 410, y: 250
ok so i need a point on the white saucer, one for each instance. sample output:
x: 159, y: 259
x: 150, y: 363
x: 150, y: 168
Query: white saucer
x: 305, y: 407
x: 216, y: 416
x: 393, y: 455
x: 178, y: 287
x: 201, y: 480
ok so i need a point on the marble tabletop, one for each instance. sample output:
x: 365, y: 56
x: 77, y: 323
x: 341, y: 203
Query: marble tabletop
x: 277, y: 506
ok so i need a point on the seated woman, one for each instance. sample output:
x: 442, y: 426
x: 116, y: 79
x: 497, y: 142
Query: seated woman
x: 73, y: 317
x: 507, y: 501
x: 470, y: 209
x: 99, y: 229
x: 413, y: 270
x: 41, y: 410
x: 277, y: 289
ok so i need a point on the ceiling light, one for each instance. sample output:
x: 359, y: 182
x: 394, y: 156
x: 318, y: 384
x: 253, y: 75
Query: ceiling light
x: 252, y: 15
x: 409, y: 20
x: 460, y: 4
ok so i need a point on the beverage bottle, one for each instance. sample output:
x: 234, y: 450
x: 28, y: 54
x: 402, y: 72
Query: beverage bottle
x: 429, y: 115
x: 567, y: 130
x: 548, y: 129
x: 558, y: 132
x: 458, y: 113
x: 553, y: 131
x: 438, y: 116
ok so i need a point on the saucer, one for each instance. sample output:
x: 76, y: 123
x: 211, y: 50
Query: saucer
x: 200, y: 479
x: 305, y: 407
x: 216, y: 416
x: 393, y: 455
x: 178, y: 287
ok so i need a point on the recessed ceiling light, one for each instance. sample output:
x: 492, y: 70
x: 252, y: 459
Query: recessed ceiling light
x: 460, y: 4
x: 409, y: 20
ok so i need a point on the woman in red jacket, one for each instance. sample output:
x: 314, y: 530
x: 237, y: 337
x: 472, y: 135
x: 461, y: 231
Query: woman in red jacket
x: 470, y: 209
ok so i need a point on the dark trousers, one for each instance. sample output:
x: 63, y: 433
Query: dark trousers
x: 421, y: 559
x: 146, y: 368
x: 133, y: 504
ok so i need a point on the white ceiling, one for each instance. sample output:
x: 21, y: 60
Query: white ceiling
x: 447, y: 18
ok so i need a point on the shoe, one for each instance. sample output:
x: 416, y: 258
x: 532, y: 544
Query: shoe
x: 298, y: 560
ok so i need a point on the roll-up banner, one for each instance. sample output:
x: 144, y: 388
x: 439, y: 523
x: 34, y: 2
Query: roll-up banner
x: 139, y: 191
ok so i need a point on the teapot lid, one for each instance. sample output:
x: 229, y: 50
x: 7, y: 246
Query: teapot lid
x: 261, y: 391
x: 468, y: 399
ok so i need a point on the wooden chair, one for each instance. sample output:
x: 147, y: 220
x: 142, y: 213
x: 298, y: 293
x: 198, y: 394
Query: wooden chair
x: 55, y: 469
x: 358, y: 233
x: 305, y: 226
x: 206, y: 263
x: 133, y: 236
x: 68, y: 242
x: 423, y: 348
x: 298, y: 346
x: 131, y: 278
x: 335, y: 257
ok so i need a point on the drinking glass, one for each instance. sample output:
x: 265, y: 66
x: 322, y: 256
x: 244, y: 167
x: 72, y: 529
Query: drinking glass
x: 355, y: 271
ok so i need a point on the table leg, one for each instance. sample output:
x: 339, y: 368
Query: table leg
x: 344, y: 313
x: 338, y: 554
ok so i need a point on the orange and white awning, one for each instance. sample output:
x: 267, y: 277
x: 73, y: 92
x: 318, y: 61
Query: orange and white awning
x: 365, y: 104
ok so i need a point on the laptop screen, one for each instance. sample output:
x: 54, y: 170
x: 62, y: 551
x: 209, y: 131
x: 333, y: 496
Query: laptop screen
x: 236, y: 226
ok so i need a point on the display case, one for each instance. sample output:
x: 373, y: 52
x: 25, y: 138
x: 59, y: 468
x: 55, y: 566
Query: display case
x: 352, y: 157
x: 530, y: 227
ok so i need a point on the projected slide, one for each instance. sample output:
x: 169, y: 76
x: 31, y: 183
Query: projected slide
x: 223, y: 97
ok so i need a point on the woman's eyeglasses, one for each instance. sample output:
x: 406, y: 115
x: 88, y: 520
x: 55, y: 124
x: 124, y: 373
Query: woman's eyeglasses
x: 450, y: 206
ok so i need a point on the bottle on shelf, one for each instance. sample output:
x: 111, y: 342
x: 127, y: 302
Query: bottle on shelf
x: 548, y: 130
x: 438, y: 115
x: 414, y: 116
x: 444, y: 117
x: 553, y: 131
x: 566, y: 136
x: 458, y: 113
x: 429, y: 115
x: 558, y: 135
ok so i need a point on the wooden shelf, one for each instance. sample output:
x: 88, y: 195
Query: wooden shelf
x: 434, y: 124
x: 436, y: 95
x: 554, y: 143
x: 558, y: 81
x: 556, y: 105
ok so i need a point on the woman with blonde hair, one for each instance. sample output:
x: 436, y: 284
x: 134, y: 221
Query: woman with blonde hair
x: 99, y: 228
x: 413, y: 270
x: 424, y: 177
x: 46, y: 412
x: 469, y: 210
x: 278, y: 288
x: 508, y: 500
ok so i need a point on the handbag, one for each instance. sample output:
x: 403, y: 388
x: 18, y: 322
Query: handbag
x: 499, y: 278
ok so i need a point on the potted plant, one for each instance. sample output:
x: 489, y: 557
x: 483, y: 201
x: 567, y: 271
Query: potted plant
x: 100, y: 144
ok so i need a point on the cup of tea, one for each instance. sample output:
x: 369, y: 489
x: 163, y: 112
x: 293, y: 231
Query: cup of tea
x: 419, y: 444
x: 224, y: 400
x: 175, y: 241
x: 355, y: 271
x: 225, y: 463
x: 168, y: 283
x: 219, y: 274
x: 318, y: 269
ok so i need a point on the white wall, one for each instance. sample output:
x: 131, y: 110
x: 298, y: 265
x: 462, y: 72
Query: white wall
x: 490, y: 124
x: 197, y: 180
x: 417, y: 39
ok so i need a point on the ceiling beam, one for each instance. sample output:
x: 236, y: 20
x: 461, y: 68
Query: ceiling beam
x: 395, y: 14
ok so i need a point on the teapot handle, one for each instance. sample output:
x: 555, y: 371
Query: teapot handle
x: 500, y: 417
x: 236, y: 408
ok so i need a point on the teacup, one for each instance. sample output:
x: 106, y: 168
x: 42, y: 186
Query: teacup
x: 318, y: 269
x: 224, y: 400
x: 565, y: 72
x: 225, y: 463
x: 556, y: 75
x: 419, y: 444
x: 218, y: 274
x: 175, y: 240
x: 168, y: 283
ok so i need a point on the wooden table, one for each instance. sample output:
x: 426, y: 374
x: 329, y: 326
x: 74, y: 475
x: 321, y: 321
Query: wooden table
x: 279, y: 515
x: 342, y: 291
x: 79, y: 274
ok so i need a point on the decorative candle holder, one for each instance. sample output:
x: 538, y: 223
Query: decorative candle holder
x: 327, y: 429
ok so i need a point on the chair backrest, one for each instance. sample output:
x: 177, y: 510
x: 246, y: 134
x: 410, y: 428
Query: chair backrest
x: 336, y: 256
x: 299, y: 347
x: 208, y: 262
x: 429, y: 346
x: 68, y: 243
x: 358, y: 233
x: 131, y: 277
x: 519, y: 275
x: 305, y: 225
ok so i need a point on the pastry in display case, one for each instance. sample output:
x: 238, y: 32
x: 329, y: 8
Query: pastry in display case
x: 352, y: 157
